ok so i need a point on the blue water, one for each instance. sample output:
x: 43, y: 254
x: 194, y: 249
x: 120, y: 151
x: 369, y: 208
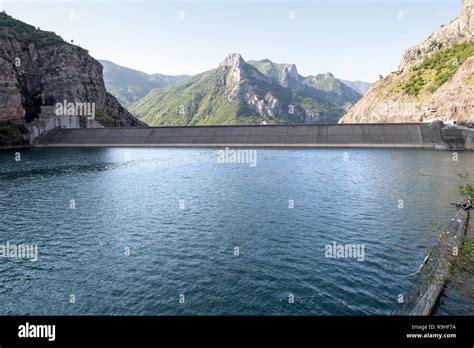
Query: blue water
x: 130, y: 198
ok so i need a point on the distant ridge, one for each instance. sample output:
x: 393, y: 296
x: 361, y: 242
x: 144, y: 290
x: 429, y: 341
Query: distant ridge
x: 129, y: 85
x: 360, y: 86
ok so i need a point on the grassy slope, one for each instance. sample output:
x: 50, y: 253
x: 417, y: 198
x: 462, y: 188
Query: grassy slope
x: 198, y: 100
x: 360, y: 87
x: 434, y: 71
x: 125, y: 84
x: 333, y: 90
x: 268, y: 68
x: 202, y: 100
x: 39, y: 37
x: 129, y: 85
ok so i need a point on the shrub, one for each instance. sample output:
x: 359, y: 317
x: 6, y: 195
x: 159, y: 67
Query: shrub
x: 436, y: 70
x: 105, y: 119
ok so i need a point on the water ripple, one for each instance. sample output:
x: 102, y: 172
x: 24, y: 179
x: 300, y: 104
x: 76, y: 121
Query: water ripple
x: 129, y: 200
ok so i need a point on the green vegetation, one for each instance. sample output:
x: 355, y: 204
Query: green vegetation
x: 12, y: 134
x: 463, y: 264
x: 204, y: 100
x: 461, y: 271
x: 267, y: 68
x: 279, y: 73
x: 197, y: 101
x: 330, y: 89
x: 39, y: 37
x: 466, y: 190
x: 324, y: 86
x: 105, y: 119
x: 321, y: 112
x: 427, y: 274
x: 82, y: 122
x: 128, y: 85
x: 436, y: 70
x: 463, y: 267
x: 52, y: 71
x: 471, y: 82
x: 200, y: 100
x: 468, y: 248
x: 360, y: 87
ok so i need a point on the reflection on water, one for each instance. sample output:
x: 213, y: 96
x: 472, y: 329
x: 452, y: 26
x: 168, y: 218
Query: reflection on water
x: 150, y: 225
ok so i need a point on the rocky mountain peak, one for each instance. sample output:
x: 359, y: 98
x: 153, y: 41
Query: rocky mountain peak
x: 459, y: 30
x: 233, y: 60
x: 466, y: 21
x: 291, y: 70
x: 289, y: 76
x: 321, y: 77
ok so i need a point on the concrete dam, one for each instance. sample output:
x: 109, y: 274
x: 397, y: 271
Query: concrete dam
x: 420, y: 135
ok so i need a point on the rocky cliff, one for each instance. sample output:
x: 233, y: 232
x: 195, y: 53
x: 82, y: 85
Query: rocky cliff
x: 284, y: 74
x: 38, y: 68
x: 459, y: 30
x: 322, y: 86
x: 434, y: 80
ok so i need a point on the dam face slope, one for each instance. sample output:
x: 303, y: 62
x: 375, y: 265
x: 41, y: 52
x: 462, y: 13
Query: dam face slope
x: 340, y: 135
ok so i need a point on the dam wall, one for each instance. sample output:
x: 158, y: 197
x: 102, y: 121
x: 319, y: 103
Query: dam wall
x: 435, y: 135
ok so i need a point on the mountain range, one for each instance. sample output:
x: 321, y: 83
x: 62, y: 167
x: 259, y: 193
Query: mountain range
x: 40, y: 69
x: 435, y: 80
x: 360, y: 86
x: 129, y: 85
x: 323, y: 86
x: 235, y: 92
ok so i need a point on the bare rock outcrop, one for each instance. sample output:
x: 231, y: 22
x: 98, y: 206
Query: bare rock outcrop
x: 459, y: 30
x: 10, y: 96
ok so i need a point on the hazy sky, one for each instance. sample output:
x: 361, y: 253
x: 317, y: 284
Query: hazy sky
x: 354, y: 39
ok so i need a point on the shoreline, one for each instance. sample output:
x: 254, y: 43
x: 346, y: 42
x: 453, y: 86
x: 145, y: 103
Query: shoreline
x: 236, y: 145
x: 15, y: 147
x: 435, y: 272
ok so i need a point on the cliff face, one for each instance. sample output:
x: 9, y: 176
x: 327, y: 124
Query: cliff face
x: 38, y: 68
x: 434, y: 80
x: 459, y: 30
x: 454, y: 100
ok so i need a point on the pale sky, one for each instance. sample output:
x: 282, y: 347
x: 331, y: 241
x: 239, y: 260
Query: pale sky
x: 353, y: 39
